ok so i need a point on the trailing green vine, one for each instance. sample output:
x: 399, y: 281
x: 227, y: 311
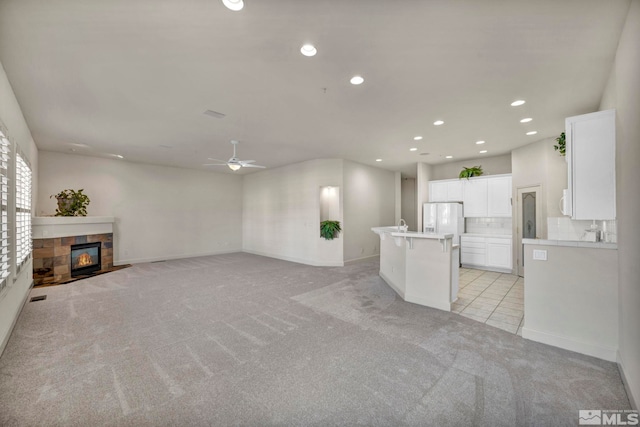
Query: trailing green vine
x: 71, y: 203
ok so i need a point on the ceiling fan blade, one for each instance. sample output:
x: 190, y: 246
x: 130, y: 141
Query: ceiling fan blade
x: 254, y: 166
x: 215, y: 164
x: 217, y: 160
x: 247, y: 161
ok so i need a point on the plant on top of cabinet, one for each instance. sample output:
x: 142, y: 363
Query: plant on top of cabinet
x: 71, y: 203
x: 469, y: 172
x: 329, y: 229
x: 561, y: 144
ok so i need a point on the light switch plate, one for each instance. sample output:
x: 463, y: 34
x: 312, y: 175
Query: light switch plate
x: 540, y: 254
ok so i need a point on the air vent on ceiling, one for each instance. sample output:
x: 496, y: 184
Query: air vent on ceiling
x: 215, y: 114
x: 424, y: 154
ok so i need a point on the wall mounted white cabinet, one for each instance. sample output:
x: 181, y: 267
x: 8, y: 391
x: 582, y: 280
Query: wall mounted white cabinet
x: 446, y: 191
x: 499, y: 196
x: 591, y: 159
x: 483, y: 197
x: 486, y: 253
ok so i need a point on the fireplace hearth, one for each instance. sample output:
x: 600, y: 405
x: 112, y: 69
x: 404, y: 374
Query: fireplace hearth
x: 85, y: 259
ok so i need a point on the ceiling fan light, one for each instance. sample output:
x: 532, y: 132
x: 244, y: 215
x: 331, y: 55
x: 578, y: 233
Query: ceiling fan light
x: 308, y: 50
x: 234, y: 5
x: 234, y: 167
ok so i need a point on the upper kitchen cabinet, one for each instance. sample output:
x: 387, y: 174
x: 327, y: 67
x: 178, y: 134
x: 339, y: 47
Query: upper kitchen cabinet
x: 445, y: 191
x: 591, y: 159
x: 475, y: 203
x: 499, y: 196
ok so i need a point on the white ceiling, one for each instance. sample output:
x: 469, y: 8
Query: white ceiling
x: 133, y: 77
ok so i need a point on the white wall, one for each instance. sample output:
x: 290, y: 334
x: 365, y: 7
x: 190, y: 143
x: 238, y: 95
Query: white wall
x: 622, y: 93
x: 281, y: 212
x: 369, y: 201
x: 408, y: 201
x: 424, y: 174
x: 13, y: 297
x: 493, y: 165
x: 161, y: 212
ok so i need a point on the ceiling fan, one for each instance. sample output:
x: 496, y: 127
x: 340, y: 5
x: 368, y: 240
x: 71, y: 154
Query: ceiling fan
x: 235, y: 163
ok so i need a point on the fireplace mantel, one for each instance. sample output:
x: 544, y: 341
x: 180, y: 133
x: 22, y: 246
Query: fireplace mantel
x: 52, y: 241
x: 47, y: 227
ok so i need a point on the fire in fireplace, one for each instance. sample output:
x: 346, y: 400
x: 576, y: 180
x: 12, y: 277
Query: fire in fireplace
x: 85, y: 258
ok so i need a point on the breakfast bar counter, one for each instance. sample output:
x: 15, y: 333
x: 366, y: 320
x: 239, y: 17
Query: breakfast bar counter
x: 420, y: 267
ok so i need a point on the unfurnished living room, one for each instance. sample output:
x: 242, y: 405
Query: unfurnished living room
x: 284, y: 212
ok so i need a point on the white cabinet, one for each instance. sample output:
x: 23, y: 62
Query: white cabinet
x: 591, y: 159
x: 475, y: 198
x: 483, y: 197
x: 499, y: 196
x: 445, y: 191
x: 499, y: 253
x: 486, y: 253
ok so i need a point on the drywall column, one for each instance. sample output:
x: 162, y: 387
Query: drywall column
x: 424, y: 175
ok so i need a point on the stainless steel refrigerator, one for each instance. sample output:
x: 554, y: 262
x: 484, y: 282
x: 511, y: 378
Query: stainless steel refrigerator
x: 443, y: 218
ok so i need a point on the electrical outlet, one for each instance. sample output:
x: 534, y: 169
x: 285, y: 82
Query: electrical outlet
x: 540, y: 254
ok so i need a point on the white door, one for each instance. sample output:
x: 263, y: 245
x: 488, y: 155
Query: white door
x: 528, y: 220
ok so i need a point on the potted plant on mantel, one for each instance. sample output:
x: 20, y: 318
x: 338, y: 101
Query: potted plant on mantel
x: 329, y: 229
x: 71, y: 203
x: 561, y: 145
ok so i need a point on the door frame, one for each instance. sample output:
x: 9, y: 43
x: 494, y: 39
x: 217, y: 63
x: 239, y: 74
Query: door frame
x: 519, y: 249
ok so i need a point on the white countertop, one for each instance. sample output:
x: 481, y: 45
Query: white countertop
x: 570, y: 243
x: 393, y: 230
x: 497, y: 236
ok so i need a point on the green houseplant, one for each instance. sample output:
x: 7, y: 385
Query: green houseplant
x: 71, y: 203
x: 469, y: 172
x: 560, y: 147
x: 329, y: 229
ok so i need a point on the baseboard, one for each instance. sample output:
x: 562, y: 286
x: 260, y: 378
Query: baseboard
x: 351, y: 261
x: 625, y: 380
x: 571, y: 344
x: 389, y: 282
x: 5, y: 341
x: 297, y: 260
x: 173, y: 257
x: 484, y: 268
x: 428, y: 302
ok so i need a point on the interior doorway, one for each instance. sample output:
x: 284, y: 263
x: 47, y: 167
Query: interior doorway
x: 528, y: 220
x: 408, y: 203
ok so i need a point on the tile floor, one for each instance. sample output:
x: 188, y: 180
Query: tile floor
x: 496, y: 299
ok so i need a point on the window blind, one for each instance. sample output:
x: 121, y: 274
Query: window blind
x: 4, y: 209
x: 23, y: 210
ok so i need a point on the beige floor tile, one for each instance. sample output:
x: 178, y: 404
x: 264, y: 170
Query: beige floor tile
x: 509, y: 311
x: 488, y: 301
x: 483, y: 314
x: 482, y: 306
x: 513, y: 305
x: 515, y: 300
x: 457, y: 308
x: 463, y: 301
x: 506, y: 318
x: 488, y: 295
x: 473, y: 317
x: 504, y: 326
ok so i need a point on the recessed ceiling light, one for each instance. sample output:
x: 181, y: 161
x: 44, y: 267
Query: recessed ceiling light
x: 378, y: 160
x: 479, y: 142
x: 517, y: 103
x: 448, y: 157
x: 483, y: 151
x: 119, y: 156
x: 417, y: 138
x: 533, y: 132
x: 438, y: 122
x: 527, y: 120
x: 413, y: 149
x: 234, y: 5
x: 357, y: 80
x: 308, y: 50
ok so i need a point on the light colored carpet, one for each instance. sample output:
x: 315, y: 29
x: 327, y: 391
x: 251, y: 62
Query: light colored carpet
x: 240, y: 339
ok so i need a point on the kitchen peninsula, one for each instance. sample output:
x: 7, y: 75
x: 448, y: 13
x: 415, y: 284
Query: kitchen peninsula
x: 421, y: 267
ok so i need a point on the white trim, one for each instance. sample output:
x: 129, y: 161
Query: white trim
x: 349, y: 261
x: 172, y: 257
x: 625, y: 381
x: 5, y: 341
x: 294, y: 259
x: 428, y: 302
x: 606, y: 353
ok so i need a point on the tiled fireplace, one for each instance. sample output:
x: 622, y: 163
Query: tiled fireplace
x: 66, y: 248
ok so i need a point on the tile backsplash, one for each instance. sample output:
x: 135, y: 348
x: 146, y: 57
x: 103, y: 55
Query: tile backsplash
x: 500, y: 226
x: 564, y: 228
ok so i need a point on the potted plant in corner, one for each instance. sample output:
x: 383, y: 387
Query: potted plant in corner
x: 469, y: 172
x: 329, y: 229
x: 71, y: 203
x: 561, y: 145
